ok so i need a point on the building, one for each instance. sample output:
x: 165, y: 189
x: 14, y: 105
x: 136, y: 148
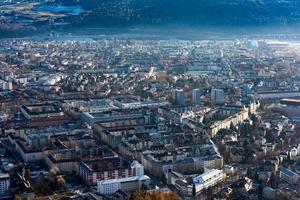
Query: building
x: 35, y: 146
x: 200, y: 183
x: 208, y: 179
x: 217, y: 96
x: 45, y: 110
x: 178, y: 96
x: 133, y: 102
x: 128, y: 184
x: 68, y: 160
x: 7, y: 86
x: 104, y: 169
x: 269, y: 193
x: 28, y: 154
x: 4, y: 184
x: 196, y: 95
x: 288, y: 176
x: 234, y: 120
x: 44, y: 114
x: 290, y: 108
x: 137, y: 169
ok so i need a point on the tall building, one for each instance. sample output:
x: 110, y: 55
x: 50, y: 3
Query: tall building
x: 196, y: 95
x: 4, y: 184
x: 217, y: 96
x: 7, y: 85
x: 137, y: 168
x: 178, y: 96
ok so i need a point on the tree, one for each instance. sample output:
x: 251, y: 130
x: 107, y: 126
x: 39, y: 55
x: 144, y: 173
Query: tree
x: 52, y: 180
x: 157, y: 195
x: 137, y: 195
x: 173, y: 196
x: 245, y: 144
x: 269, y: 136
x: 54, y: 170
x: 60, y: 181
x: 144, y: 187
x: 206, y: 120
x: 18, y: 197
x: 26, y: 174
x: 41, y: 184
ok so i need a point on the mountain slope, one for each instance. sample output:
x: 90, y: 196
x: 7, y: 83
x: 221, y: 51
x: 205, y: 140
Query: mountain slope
x: 190, y: 11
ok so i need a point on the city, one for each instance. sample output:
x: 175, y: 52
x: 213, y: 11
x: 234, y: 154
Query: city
x: 107, y: 117
x: 141, y: 117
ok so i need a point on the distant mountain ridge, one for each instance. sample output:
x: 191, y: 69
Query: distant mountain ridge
x: 190, y: 11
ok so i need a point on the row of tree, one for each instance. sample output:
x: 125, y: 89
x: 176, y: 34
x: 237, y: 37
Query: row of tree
x: 52, y: 182
x: 157, y: 195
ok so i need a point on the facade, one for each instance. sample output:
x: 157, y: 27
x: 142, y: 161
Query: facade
x: 199, y: 183
x: 196, y: 95
x: 4, y: 184
x: 133, y: 102
x: 269, y: 193
x: 236, y: 116
x: 209, y: 162
x: 217, y: 96
x: 68, y: 160
x: 226, y: 123
x: 28, y: 155
x: 44, y: 114
x: 178, y: 96
x: 208, y: 179
x: 105, y: 169
x: 38, y: 111
x: 7, y: 85
x: 65, y: 163
x: 127, y: 184
x: 288, y: 176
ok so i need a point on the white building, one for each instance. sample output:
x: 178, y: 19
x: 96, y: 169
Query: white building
x: 294, y: 152
x: 137, y: 169
x: 129, y: 184
x: 4, y: 184
x: 217, y: 96
x: 206, y: 180
x: 107, y: 187
x: 7, y: 85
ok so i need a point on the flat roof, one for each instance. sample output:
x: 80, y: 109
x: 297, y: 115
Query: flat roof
x: 207, y: 175
x: 288, y: 172
x: 41, y: 108
x: 4, y: 175
x: 122, y: 180
x: 295, y: 102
